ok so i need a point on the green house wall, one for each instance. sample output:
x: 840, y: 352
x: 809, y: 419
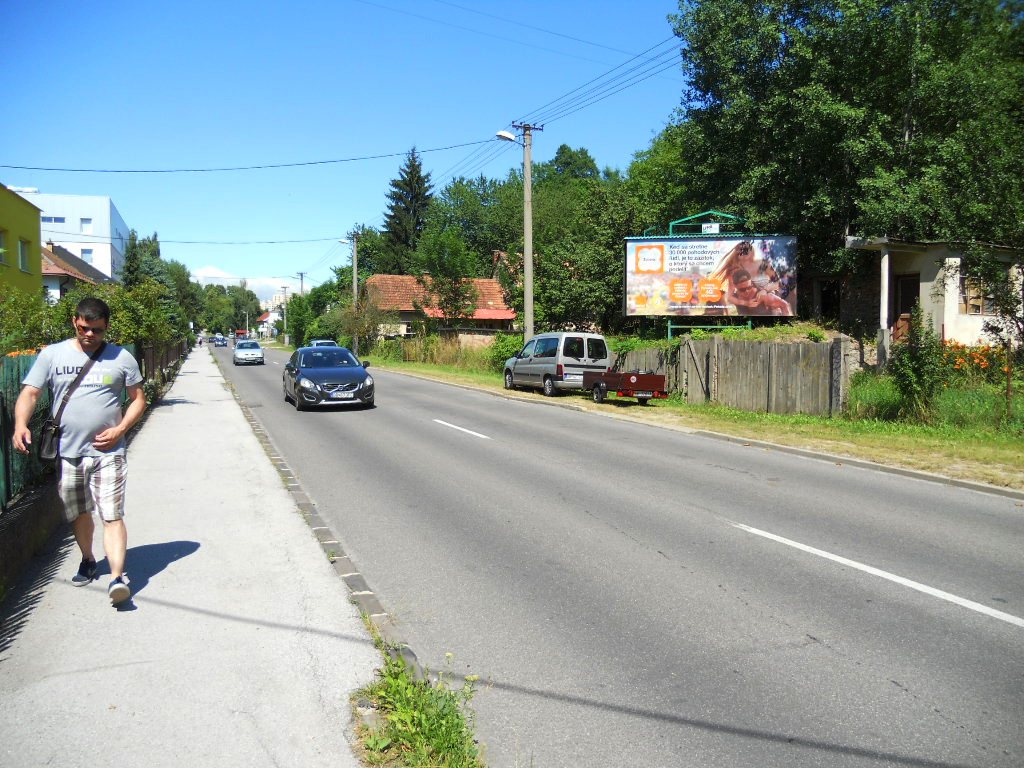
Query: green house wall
x: 19, y: 220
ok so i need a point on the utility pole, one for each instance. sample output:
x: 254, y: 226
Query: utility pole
x: 285, y: 311
x: 355, y: 291
x: 527, y: 130
x: 302, y: 284
x: 527, y: 144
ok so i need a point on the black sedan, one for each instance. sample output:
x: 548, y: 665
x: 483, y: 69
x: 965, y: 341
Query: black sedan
x: 326, y: 376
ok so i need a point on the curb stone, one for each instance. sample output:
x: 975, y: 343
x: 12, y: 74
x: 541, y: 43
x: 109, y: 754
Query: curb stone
x: 360, y: 592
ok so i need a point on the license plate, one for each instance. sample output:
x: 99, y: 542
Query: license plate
x: 342, y: 395
x: 573, y: 377
x: 643, y: 394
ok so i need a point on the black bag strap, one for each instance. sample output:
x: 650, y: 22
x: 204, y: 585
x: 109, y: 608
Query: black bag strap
x: 78, y: 380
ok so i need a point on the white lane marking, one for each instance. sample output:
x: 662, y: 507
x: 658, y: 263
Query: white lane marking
x: 463, y: 429
x: 961, y: 601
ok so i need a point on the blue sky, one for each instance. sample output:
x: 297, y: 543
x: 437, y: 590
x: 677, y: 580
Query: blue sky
x: 200, y: 85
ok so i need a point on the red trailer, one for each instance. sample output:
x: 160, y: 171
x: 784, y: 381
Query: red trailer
x: 641, y: 385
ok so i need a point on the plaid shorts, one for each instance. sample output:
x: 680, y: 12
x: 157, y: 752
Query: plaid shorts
x: 89, y: 484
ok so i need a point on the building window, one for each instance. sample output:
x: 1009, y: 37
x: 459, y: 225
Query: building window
x: 975, y: 298
x: 53, y: 219
x: 87, y: 255
x: 86, y: 226
x: 23, y: 247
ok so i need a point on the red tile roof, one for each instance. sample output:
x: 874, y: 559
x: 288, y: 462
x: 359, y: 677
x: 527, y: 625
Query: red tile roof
x: 398, y: 293
x: 60, y: 261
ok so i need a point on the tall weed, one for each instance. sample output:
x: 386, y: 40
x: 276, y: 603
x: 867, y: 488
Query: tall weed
x: 873, y: 396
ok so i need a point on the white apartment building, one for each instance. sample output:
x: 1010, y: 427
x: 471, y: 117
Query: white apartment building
x: 87, y: 225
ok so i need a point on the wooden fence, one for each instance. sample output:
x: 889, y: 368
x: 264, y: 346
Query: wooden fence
x: 772, y: 377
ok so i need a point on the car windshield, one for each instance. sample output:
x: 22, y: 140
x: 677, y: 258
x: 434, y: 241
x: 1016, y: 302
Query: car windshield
x: 325, y: 357
x: 247, y: 345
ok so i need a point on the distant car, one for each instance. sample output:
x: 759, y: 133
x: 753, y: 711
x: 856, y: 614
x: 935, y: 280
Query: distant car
x: 220, y: 341
x: 322, y: 343
x: 324, y: 375
x: 247, y: 352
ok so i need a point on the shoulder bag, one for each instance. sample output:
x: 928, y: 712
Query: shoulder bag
x: 49, y: 435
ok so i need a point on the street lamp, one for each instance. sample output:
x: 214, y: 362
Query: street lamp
x: 527, y: 145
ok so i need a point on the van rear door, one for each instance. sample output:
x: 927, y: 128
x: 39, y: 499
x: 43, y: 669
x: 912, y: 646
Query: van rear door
x: 574, y: 360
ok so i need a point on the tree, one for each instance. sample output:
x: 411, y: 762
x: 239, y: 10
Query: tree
x: 372, y: 254
x: 142, y: 260
x: 218, y: 309
x: 188, y: 295
x: 408, y: 200
x: 299, y: 319
x: 445, y: 268
x: 328, y: 294
x: 833, y: 117
x: 366, y: 321
x: 568, y: 163
x: 245, y: 305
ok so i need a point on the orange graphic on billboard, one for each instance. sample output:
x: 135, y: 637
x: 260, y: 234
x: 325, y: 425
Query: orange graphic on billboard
x: 650, y: 258
x: 681, y: 291
x: 709, y: 291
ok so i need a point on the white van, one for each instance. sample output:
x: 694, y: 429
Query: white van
x: 556, y: 361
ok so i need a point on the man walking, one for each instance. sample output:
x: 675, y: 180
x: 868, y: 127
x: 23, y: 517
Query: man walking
x: 92, y: 469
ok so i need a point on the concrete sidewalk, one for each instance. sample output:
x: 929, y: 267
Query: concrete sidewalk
x: 240, y: 646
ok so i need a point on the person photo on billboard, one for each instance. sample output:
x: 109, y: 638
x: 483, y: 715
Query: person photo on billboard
x: 760, y: 276
x: 755, y: 301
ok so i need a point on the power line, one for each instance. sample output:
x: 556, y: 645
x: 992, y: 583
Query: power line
x: 597, y: 97
x: 103, y: 239
x: 581, y: 97
x: 244, y: 167
x: 529, y: 26
x: 533, y: 116
x: 476, y: 31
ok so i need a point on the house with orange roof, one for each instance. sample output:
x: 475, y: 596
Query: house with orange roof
x: 62, y: 271
x: 404, y: 296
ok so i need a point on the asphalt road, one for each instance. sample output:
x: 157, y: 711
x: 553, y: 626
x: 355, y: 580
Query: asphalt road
x: 636, y: 596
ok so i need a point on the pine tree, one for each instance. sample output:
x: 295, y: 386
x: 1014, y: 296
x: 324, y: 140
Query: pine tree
x: 408, y: 200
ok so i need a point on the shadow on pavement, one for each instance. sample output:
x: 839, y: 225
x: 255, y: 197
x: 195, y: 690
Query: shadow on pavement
x: 26, y: 593
x: 144, y: 562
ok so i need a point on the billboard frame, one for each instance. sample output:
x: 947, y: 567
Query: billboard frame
x: 717, y: 229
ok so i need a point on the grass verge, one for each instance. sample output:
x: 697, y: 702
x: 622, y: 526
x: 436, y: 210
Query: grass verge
x: 965, y: 453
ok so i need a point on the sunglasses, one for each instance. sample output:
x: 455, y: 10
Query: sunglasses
x: 90, y: 329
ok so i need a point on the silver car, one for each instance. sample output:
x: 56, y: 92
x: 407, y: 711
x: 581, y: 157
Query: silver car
x: 247, y: 352
x: 555, y: 362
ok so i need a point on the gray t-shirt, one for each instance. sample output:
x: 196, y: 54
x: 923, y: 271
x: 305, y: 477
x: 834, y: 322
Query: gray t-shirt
x: 96, y: 404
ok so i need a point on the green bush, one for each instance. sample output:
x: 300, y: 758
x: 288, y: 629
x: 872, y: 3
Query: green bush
x: 503, y: 347
x: 389, y: 350
x: 918, y: 366
x: 816, y: 336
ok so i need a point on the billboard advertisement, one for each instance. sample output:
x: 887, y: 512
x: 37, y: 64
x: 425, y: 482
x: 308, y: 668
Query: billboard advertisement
x: 687, y: 276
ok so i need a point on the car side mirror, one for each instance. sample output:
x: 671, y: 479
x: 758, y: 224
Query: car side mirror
x: 289, y: 367
x: 366, y: 363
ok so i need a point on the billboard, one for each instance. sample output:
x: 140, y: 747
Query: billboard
x: 687, y: 276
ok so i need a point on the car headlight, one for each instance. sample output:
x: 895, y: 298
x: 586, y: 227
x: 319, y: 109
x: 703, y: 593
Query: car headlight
x: 307, y: 384
x: 368, y: 381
